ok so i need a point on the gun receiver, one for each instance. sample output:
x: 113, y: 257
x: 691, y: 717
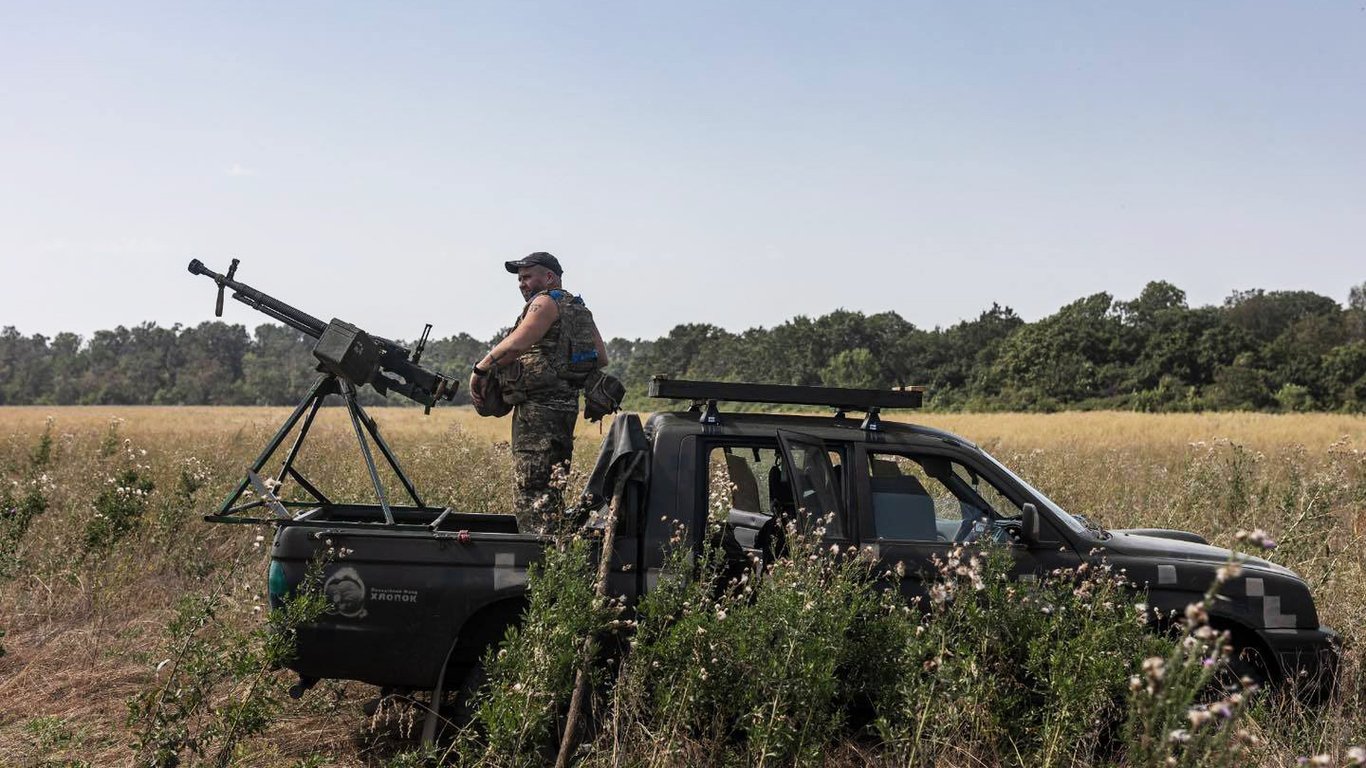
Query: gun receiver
x: 342, y: 349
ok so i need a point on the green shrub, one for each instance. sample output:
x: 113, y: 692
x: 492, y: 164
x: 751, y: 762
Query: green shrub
x: 118, y: 509
x: 217, y: 684
x: 531, y: 673
x: 1024, y: 672
x: 780, y: 665
x: 15, y: 518
x: 41, y: 456
x: 768, y: 659
x: 111, y: 442
x: 1295, y: 398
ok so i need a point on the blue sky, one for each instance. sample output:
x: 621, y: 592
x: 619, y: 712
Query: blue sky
x: 732, y: 163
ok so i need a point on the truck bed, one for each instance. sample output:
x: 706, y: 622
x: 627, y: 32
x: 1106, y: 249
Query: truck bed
x: 400, y: 593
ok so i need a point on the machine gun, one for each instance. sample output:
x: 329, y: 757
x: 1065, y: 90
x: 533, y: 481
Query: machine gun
x: 348, y: 358
x: 343, y: 349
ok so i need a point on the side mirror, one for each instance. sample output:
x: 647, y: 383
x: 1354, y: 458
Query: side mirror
x: 1029, y: 523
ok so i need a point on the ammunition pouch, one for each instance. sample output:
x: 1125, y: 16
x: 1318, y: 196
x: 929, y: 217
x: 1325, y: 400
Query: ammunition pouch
x: 495, y: 404
x: 509, y: 378
x: 579, y: 366
x: 576, y: 350
x: 528, y: 376
x: 602, y: 394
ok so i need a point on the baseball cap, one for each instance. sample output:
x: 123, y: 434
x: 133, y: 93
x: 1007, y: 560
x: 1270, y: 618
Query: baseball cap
x: 537, y: 259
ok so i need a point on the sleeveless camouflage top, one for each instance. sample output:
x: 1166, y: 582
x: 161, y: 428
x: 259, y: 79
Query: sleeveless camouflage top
x: 538, y: 381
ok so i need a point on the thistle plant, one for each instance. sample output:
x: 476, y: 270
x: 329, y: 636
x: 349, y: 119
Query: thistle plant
x: 1169, y: 723
x: 1026, y: 672
x: 22, y: 501
x: 218, y: 685
x: 530, y: 675
x: 760, y: 660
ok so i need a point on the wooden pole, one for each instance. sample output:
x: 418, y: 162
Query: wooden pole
x: 589, y: 646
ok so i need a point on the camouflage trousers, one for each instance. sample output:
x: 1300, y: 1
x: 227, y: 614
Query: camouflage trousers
x: 542, y: 443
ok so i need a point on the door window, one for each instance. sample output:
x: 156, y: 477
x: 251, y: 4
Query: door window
x: 755, y: 480
x: 742, y: 479
x: 931, y: 498
x: 815, y: 488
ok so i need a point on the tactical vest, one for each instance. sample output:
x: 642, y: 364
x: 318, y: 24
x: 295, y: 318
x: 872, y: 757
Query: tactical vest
x: 556, y: 366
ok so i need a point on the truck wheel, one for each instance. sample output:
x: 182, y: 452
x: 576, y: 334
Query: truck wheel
x: 1249, y: 663
x: 452, y: 710
x: 1245, y: 670
x: 465, y: 702
x: 1250, y: 659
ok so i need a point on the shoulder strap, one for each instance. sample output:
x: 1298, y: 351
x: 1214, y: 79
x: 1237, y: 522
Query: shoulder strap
x: 557, y: 295
x: 561, y: 296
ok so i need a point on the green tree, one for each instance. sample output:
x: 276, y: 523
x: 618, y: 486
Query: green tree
x: 208, y: 362
x: 856, y: 368
x: 959, y: 362
x: 69, y: 363
x: 1344, y: 372
x: 1240, y: 386
x: 1267, y: 315
x: 1068, y: 356
x: 278, y: 366
x: 1356, y: 297
x: 105, y: 380
x: 25, y: 367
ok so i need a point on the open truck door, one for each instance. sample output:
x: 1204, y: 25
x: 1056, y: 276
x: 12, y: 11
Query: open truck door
x: 817, y: 498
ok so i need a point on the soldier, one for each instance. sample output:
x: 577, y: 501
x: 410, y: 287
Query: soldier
x: 538, y: 365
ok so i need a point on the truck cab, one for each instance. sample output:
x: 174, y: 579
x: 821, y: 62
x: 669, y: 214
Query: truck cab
x: 909, y: 495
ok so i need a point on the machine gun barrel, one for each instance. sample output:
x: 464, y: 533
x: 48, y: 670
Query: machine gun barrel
x: 344, y: 350
x: 294, y: 318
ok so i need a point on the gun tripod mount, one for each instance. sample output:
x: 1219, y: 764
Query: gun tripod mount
x: 348, y: 358
x: 265, y: 490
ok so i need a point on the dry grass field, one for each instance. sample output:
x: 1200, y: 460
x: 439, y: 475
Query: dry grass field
x: 92, y: 577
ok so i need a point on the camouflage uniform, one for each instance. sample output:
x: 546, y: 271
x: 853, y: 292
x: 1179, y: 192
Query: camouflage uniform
x: 546, y: 408
x: 542, y: 439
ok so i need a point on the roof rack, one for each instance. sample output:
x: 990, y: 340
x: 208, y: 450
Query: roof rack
x: 869, y: 401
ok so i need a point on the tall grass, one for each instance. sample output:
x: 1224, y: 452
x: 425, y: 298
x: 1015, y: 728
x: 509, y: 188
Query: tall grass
x: 102, y: 554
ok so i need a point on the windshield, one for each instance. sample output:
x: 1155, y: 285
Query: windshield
x: 1061, y: 514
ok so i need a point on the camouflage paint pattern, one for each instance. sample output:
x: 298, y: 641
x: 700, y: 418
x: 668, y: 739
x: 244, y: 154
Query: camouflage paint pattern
x: 542, y: 439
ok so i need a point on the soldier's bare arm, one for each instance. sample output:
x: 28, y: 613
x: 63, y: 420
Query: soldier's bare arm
x: 542, y: 313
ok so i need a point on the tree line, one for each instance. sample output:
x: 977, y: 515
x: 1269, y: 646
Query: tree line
x: 1259, y: 350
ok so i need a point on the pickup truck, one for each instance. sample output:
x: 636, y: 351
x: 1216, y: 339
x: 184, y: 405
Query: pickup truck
x: 418, y: 599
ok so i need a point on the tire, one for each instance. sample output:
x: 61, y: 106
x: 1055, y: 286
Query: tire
x: 453, y: 710
x: 466, y: 699
x: 1246, y: 670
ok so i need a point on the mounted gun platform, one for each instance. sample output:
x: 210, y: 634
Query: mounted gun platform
x: 348, y: 358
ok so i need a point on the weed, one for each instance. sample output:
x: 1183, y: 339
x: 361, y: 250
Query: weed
x: 421, y: 757
x: 111, y: 443
x: 50, y: 738
x: 15, y: 518
x: 49, y: 733
x: 42, y: 452
x: 531, y: 673
x: 118, y: 509
x: 218, y: 685
x: 1167, y: 722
